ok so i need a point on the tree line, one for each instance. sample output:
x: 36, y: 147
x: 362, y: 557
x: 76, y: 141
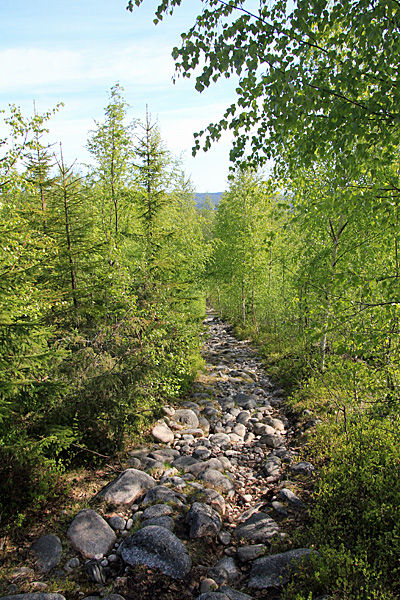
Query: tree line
x: 100, y: 280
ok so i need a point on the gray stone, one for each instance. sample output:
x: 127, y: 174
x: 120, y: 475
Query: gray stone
x: 288, y: 495
x: 47, y: 551
x: 201, y: 453
x: 250, y: 553
x: 90, y: 534
x: 272, y: 466
x: 228, y: 564
x: 163, y: 494
x: 208, y: 585
x: 186, y: 417
x: 164, y: 455
x: 117, y: 523
x: 204, y: 424
x: 243, y: 417
x: 211, y: 497
x: 158, y: 510
x: 263, y: 429
x: 224, y: 537
x: 234, y: 594
x: 157, y: 547
x: 279, y: 508
x: 275, y: 570
x: 272, y: 441
x: 203, y: 521
x: 240, y: 430
x: 149, y: 464
x: 162, y: 433
x: 183, y: 462
x: 129, y: 485
x: 212, y: 463
x: 218, y: 480
x: 302, y: 468
x: 161, y: 521
x: 258, y: 528
x: 220, y: 439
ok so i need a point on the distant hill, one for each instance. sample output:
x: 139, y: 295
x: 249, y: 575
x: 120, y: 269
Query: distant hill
x: 215, y: 198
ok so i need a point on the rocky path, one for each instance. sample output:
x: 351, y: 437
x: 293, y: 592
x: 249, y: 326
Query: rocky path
x: 193, y: 515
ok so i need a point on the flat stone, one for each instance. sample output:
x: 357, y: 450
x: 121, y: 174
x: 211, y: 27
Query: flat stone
x: 275, y: 570
x: 47, y: 550
x: 164, y: 455
x: 158, y: 548
x: 183, y: 462
x: 211, y: 596
x: 258, y: 528
x: 203, y: 521
x: 90, y: 534
x: 220, y: 439
x: 162, y: 433
x: 129, y: 485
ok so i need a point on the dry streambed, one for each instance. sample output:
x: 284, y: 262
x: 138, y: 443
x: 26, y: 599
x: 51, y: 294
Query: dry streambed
x: 194, y: 514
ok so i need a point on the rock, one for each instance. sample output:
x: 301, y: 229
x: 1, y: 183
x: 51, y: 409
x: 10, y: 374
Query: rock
x: 250, y: 553
x: 279, y: 508
x: 263, y: 429
x: 204, y: 424
x: 243, y: 417
x: 203, y: 521
x: 117, y: 523
x: 90, y: 534
x: 162, y: 521
x: 162, y: 433
x: 272, y: 466
x: 234, y: 594
x: 47, y: 551
x: 158, y: 548
x: 129, y: 485
x: 288, y: 495
x: 275, y: 570
x: 220, y: 439
x: 186, y: 417
x: 164, y: 455
x: 212, y: 463
x: 163, y: 494
x: 224, y: 537
x: 302, y: 468
x: 34, y: 596
x: 271, y: 441
x: 183, y: 462
x: 211, y: 497
x: 208, y: 585
x: 149, y: 464
x: 240, y: 430
x: 258, y: 528
x: 201, y: 453
x: 158, y: 510
x: 228, y: 564
x: 219, y: 480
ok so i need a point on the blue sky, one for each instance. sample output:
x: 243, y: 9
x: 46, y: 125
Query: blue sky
x: 73, y: 52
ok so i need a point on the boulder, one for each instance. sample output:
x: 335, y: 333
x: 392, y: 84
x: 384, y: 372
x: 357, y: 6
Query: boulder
x: 90, y: 534
x: 259, y: 528
x: 275, y: 570
x: 158, y: 548
x: 162, y: 433
x: 203, y: 521
x: 47, y: 551
x: 129, y: 485
x: 186, y: 417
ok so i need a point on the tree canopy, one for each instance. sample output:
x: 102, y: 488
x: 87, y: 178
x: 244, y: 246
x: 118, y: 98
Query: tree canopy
x: 314, y: 77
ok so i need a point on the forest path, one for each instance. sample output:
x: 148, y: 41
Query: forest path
x: 193, y: 516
